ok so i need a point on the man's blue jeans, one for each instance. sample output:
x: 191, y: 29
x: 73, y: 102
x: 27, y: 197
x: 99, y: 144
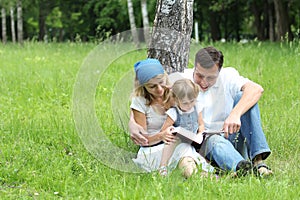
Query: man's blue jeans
x: 246, y: 144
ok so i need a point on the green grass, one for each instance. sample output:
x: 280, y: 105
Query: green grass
x: 44, y: 156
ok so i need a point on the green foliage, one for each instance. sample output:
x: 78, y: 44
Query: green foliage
x: 96, y: 20
x: 54, y: 18
x: 42, y: 156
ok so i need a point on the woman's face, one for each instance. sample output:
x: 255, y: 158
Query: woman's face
x: 156, y: 86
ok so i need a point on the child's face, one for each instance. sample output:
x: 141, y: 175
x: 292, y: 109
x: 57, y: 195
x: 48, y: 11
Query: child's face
x: 186, y: 104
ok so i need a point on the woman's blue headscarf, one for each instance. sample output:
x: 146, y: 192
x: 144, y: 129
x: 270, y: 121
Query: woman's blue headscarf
x: 147, y: 69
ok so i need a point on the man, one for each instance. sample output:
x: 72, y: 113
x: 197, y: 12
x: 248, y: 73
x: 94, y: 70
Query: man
x: 230, y: 105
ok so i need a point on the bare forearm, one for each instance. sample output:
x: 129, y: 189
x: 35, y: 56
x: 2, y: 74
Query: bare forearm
x: 153, y: 139
x: 137, y: 132
x: 166, y: 136
x: 251, y: 94
x: 201, y: 128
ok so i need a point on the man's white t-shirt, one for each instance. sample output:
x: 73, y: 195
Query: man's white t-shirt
x: 217, y: 101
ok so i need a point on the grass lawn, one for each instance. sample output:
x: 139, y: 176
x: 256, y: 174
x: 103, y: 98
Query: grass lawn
x: 64, y: 113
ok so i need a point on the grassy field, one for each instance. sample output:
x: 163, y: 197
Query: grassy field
x: 63, y: 115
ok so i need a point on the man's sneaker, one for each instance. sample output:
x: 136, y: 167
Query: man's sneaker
x: 243, y: 168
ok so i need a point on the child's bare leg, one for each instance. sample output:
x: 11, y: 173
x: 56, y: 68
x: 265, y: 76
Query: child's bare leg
x: 168, y: 152
x: 188, y: 166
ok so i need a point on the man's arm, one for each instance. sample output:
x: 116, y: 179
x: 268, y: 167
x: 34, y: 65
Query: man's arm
x: 251, y: 94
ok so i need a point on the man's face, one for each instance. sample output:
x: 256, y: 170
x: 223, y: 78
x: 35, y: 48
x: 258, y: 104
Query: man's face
x: 205, y: 77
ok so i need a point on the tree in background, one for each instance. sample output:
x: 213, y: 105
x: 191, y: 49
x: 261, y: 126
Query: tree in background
x: 20, y: 21
x: 3, y: 23
x: 133, y: 29
x: 95, y: 20
x: 171, y: 36
x: 145, y: 21
x: 12, y: 24
x: 235, y: 19
x: 44, y: 10
x: 282, y: 19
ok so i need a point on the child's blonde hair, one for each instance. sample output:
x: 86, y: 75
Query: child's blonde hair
x: 185, y: 88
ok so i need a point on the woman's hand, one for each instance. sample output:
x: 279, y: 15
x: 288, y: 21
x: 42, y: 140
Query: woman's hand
x: 137, y: 133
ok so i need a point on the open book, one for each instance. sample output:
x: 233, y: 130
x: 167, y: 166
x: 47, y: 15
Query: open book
x: 190, y: 137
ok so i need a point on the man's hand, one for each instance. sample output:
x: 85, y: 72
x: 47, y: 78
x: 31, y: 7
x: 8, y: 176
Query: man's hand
x: 232, y: 124
x: 251, y: 94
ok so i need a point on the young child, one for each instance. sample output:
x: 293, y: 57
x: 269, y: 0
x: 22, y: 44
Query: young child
x: 186, y: 114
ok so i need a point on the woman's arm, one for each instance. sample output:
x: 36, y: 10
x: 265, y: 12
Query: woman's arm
x: 137, y: 132
x: 165, y: 135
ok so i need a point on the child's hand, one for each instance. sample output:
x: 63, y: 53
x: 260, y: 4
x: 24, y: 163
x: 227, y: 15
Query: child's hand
x: 201, y: 129
x: 168, y: 136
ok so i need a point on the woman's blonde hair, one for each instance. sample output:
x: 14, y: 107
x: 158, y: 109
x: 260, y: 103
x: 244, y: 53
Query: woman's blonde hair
x: 140, y: 90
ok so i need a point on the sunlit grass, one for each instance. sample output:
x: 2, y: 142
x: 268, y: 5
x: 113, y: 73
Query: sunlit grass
x: 42, y: 156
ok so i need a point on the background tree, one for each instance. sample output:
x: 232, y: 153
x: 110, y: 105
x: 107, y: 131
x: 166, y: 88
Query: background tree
x: 3, y: 23
x: 133, y: 29
x: 12, y: 23
x: 282, y: 20
x: 201, y: 11
x: 271, y: 18
x: 95, y: 20
x: 20, y: 21
x: 44, y: 10
x: 145, y: 21
x: 171, y: 36
x: 100, y: 19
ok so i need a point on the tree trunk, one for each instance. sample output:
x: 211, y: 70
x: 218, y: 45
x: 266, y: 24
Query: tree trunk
x: 214, y: 25
x: 171, y: 36
x: 271, y: 20
x: 201, y: 32
x: 20, y: 21
x: 145, y: 21
x: 236, y: 21
x: 12, y: 23
x: 282, y: 21
x: 265, y: 21
x: 132, y: 23
x: 4, y: 32
x: 42, y: 20
x: 196, y: 30
x: 257, y: 12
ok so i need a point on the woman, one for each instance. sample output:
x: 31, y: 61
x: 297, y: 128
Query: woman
x: 148, y: 108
